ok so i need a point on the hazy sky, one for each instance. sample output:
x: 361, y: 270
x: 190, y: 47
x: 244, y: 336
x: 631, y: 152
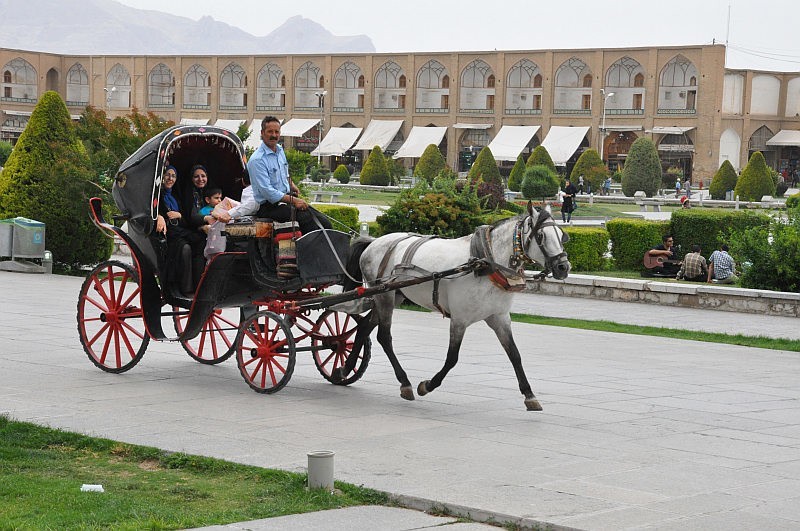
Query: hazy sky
x: 763, y: 34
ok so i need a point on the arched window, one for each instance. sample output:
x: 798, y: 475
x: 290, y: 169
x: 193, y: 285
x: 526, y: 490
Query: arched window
x: 361, y: 81
x: 490, y: 81
x: 77, y: 85
x: 348, y: 76
x: 160, y: 85
x: 271, y: 76
x: 587, y: 80
x: 572, y: 73
x: 196, y: 86
x: 477, y: 74
x: 638, y: 80
x: 692, y: 81
x: 537, y: 81
x: 445, y: 81
x: 307, y: 76
x: 321, y: 82
x: 433, y: 75
x: 401, y: 81
x: 7, y: 76
x: 283, y: 81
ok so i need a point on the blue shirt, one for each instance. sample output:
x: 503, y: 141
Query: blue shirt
x: 269, y: 174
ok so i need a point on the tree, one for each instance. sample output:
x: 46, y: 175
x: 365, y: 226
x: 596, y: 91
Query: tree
x: 374, y: 171
x: 48, y: 178
x: 5, y: 151
x: 485, y: 168
x: 395, y: 169
x: 341, y: 174
x: 724, y: 180
x: 642, y: 170
x: 300, y: 163
x: 517, y: 175
x: 591, y: 166
x: 541, y: 156
x: 539, y: 182
x: 430, y: 163
x: 755, y: 180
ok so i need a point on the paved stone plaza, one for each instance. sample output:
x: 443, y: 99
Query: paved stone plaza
x: 636, y: 433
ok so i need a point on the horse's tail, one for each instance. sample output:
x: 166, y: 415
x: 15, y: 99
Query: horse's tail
x: 354, y: 262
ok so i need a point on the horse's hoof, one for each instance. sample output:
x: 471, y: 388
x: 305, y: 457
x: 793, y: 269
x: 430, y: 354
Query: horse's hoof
x: 422, y: 388
x: 532, y: 404
x: 406, y: 392
x: 337, y: 375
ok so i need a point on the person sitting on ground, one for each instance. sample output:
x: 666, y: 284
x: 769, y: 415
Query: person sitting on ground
x: 666, y: 253
x: 694, y: 267
x: 721, y: 267
x: 685, y: 202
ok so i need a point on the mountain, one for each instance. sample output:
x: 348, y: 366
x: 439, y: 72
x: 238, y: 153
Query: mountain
x: 106, y: 27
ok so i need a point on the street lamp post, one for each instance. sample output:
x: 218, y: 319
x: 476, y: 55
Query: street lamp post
x: 321, y: 97
x: 109, y: 93
x: 603, y: 122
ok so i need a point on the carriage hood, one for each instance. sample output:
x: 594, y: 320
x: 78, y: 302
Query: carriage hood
x: 137, y: 183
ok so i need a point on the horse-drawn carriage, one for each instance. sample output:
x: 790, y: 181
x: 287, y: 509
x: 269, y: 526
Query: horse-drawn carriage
x: 240, y: 305
x: 243, y: 307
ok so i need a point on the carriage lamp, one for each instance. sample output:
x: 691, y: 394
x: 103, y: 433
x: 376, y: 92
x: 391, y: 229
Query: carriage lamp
x: 364, y: 229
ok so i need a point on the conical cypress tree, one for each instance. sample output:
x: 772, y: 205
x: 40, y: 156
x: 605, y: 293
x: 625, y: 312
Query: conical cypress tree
x: 485, y: 169
x: 591, y: 166
x: 430, y: 164
x: 755, y: 180
x: 46, y: 178
x: 724, y: 180
x: 541, y: 156
x: 374, y: 171
x: 642, y: 170
x: 517, y: 175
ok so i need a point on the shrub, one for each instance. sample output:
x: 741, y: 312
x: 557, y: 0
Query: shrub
x: 586, y: 247
x: 491, y: 195
x: 669, y: 177
x: 710, y: 228
x: 516, y: 175
x: 394, y: 168
x: 539, y: 182
x: 769, y: 257
x: 780, y: 188
x: 319, y: 174
x: 485, y: 168
x: 430, y: 163
x: 631, y: 238
x: 374, y: 171
x: 793, y: 201
x: 5, y: 151
x: 447, y: 173
x: 341, y: 174
x: 591, y: 167
x: 642, y: 169
x: 723, y: 180
x: 540, y: 156
x: 438, y: 209
x: 299, y: 163
x: 755, y: 180
x: 346, y: 215
x: 47, y: 178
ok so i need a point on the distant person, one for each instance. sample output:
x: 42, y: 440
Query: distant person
x: 694, y: 267
x: 568, y: 201
x: 678, y: 187
x: 721, y: 267
x: 607, y: 186
x: 685, y: 203
x: 580, y: 184
x: 687, y: 187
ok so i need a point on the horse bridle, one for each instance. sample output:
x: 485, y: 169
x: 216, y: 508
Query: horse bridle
x: 519, y: 256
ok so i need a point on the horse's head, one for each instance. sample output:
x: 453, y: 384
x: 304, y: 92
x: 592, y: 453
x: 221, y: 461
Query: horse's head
x: 543, y: 242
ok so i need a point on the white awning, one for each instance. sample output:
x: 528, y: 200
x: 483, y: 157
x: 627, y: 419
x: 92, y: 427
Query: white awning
x: 9, y: 112
x: 471, y: 126
x: 230, y: 125
x: 666, y: 130
x: 418, y: 139
x: 562, y: 142
x: 511, y: 140
x: 624, y: 128
x: 254, y: 140
x: 337, y: 141
x: 194, y: 121
x: 785, y: 137
x: 298, y: 126
x: 378, y: 133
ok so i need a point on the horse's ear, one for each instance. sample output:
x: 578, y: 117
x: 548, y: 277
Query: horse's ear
x: 530, y: 207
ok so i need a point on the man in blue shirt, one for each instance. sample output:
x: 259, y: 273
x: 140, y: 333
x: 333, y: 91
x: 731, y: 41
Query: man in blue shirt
x: 272, y: 187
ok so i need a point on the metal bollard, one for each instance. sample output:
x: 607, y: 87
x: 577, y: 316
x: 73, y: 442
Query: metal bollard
x: 364, y: 230
x: 320, y: 470
x: 47, y: 262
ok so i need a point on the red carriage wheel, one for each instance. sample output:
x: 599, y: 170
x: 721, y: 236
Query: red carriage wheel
x: 265, y: 352
x: 332, y: 337
x: 110, y: 318
x: 217, y: 341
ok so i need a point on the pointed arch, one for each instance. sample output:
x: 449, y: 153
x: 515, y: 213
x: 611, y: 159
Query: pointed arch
x: 197, y: 88
x: 19, y: 81
x: 160, y: 86
x: 77, y: 85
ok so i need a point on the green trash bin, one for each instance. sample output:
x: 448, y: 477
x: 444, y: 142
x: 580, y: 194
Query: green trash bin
x: 28, y: 238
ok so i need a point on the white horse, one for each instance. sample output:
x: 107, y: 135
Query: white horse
x: 465, y: 298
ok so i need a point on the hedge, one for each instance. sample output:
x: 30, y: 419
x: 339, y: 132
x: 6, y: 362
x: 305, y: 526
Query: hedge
x: 344, y: 214
x: 710, y: 228
x: 631, y: 238
x: 586, y: 247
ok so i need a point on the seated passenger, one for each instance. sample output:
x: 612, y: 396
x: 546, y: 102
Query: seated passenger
x: 213, y: 197
x: 246, y: 207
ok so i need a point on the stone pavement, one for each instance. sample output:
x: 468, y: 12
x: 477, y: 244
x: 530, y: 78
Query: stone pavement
x: 637, y: 432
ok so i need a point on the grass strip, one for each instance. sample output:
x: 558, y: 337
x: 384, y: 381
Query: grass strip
x: 791, y: 345
x: 42, y: 470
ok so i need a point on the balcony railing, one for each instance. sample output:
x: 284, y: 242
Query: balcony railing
x: 76, y: 103
x: 523, y: 111
x: 18, y: 100
x: 161, y: 105
x: 348, y: 109
x: 315, y: 109
x: 433, y: 110
x: 197, y: 106
x: 476, y: 111
x: 270, y: 107
x: 233, y: 107
x: 624, y: 111
x: 389, y: 110
x: 676, y: 111
x: 572, y: 111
